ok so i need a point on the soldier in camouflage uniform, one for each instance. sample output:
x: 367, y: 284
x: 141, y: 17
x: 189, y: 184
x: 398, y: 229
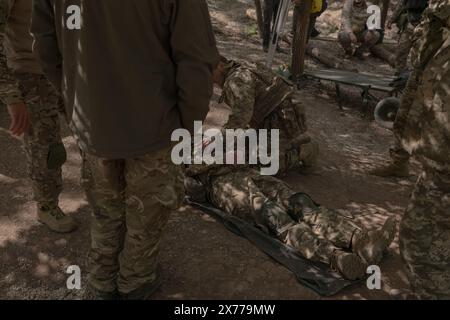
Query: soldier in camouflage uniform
x: 407, y: 16
x: 123, y: 116
x: 259, y: 99
x: 319, y: 234
x: 354, y: 36
x: 34, y: 108
x: 425, y: 133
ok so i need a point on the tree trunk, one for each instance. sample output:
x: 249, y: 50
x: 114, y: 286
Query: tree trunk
x: 384, y: 54
x: 300, y: 39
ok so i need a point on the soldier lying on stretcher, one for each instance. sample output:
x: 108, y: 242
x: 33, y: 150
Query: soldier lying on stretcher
x: 317, y: 233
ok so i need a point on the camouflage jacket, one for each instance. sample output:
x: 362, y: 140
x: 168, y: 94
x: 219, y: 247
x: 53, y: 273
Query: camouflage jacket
x: 427, y: 129
x: 252, y: 92
x: 260, y: 99
x: 15, y: 22
x: 354, y: 18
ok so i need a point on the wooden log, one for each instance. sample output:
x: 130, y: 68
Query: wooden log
x: 384, y: 54
x: 329, y: 59
x: 302, y: 11
x: 259, y: 17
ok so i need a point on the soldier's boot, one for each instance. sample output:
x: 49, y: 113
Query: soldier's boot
x: 299, y: 204
x: 107, y: 296
x: 398, y: 169
x: 349, y: 265
x: 309, y: 153
x: 55, y: 219
x: 195, y: 190
x: 371, y: 245
x: 144, y: 292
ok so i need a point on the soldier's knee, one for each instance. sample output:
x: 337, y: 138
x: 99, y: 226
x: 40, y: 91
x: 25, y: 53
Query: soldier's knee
x: 372, y: 37
x: 344, y: 39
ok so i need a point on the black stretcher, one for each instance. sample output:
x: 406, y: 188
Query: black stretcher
x: 316, y: 276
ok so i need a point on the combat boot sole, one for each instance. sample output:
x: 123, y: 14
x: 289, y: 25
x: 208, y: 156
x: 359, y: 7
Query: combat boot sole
x: 349, y: 265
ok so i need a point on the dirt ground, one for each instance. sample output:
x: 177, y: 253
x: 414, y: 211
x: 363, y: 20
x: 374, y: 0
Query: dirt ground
x: 200, y: 258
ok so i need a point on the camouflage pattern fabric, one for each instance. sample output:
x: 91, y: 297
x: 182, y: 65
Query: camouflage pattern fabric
x: 425, y: 236
x: 425, y: 228
x: 404, y: 48
x: 242, y: 192
x: 44, y: 109
x: 242, y: 90
x: 367, y: 39
x: 354, y: 18
x: 44, y: 133
x: 131, y: 201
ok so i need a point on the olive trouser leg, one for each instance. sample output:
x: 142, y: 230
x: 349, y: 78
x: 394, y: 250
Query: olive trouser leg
x: 325, y: 223
x: 425, y: 236
x: 44, y: 132
x: 131, y: 200
x: 397, y: 152
x: 243, y: 193
x: 404, y: 47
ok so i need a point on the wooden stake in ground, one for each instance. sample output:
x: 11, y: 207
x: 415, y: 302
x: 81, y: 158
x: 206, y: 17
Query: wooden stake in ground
x: 302, y: 11
x: 259, y: 17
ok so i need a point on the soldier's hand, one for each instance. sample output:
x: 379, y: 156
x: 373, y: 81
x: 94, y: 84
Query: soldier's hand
x: 389, y: 25
x: 20, y: 119
x: 353, y: 38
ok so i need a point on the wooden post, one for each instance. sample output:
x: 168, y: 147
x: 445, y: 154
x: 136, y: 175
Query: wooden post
x: 303, y: 11
x: 259, y: 17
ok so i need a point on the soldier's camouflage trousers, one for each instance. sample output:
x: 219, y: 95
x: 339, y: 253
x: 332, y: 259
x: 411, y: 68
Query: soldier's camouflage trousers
x: 244, y: 192
x: 425, y: 236
x: 405, y: 44
x: 131, y: 200
x: 397, y: 152
x: 366, y: 38
x: 43, y: 137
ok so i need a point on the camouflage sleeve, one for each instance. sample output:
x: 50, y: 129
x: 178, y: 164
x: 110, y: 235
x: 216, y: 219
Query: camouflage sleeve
x: 239, y: 94
x: 195, y: 54
x: 441, y: 10
x: 346, y: 18
x: 430, y: 34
